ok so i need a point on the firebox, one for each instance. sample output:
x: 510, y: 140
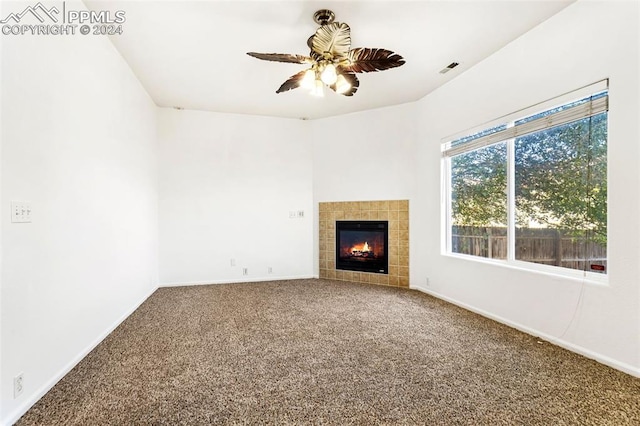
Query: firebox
x: 362, y: 246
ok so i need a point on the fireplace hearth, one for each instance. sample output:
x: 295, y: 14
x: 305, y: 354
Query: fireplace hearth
x: 362, y: 246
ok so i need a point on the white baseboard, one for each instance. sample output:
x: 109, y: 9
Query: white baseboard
x: 237, y: 281
x: 24, y: 407
x: 624, y: 367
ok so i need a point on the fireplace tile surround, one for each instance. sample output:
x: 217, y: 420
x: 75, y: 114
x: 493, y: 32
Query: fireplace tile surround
x: 394, y: 211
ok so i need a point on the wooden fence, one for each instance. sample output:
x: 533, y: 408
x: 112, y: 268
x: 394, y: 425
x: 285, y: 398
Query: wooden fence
x: 546, y: 246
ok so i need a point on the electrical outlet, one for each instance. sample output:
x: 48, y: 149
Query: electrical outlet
x: 233, y: 262
x: 300, y: 214
x: 292, y: 215
x: 428, y: 282
x: 245, y: 271
x: 18, y: 385
x: 269, y: 270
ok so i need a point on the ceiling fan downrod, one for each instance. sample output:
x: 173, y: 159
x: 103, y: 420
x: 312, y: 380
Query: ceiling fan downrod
x: 324, y: 16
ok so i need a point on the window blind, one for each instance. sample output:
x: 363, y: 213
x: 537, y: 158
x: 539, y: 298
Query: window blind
x: 594, y: 105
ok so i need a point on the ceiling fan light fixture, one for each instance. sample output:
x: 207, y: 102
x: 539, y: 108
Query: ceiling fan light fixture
x: 308, y: 81
x: 329, y: 74
x: 318, y: 89
x: 342, y: 85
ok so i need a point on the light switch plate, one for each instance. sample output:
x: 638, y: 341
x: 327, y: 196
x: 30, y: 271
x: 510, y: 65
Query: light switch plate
x: 20, y: 211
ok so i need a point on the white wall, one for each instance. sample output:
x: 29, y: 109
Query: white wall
x: 2, y: 9
x: 364, y: 156
x: 227, y: 185
x: 584, y: 43
x: 79, y: 142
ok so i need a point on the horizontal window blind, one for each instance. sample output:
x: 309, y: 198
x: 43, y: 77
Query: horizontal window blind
x: 594, y: 105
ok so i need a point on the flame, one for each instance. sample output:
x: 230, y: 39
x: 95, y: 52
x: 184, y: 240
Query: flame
x: 363, y: 248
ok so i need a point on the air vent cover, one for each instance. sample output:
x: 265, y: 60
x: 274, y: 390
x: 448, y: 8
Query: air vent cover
x: 449, y: 67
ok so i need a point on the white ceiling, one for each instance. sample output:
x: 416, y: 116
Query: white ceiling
x: 192, y: 54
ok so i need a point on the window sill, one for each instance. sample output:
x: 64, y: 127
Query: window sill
x: 550, y: 271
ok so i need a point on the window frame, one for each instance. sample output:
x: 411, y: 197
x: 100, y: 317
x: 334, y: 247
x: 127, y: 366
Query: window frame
x: 446, y: 199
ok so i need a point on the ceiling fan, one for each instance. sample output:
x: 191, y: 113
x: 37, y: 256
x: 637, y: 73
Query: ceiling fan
x: 332, y: 61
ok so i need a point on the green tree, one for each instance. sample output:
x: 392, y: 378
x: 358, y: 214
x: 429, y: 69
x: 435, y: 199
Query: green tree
x: 479, y: 185
x: 561, y: 177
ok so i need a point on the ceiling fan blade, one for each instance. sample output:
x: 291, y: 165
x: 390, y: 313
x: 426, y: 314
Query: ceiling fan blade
x: 333, y: 39
x: 292, y: 83
x: 353, y: 81
x: 282, y: 57
x: 364, y: 59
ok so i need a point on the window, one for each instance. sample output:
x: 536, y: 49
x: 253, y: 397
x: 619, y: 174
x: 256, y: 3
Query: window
x: 532, y: 189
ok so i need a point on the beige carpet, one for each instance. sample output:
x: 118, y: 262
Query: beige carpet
x: 323, y: 352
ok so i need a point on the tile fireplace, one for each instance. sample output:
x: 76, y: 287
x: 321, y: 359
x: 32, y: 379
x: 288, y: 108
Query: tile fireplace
x: 395, y: 213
